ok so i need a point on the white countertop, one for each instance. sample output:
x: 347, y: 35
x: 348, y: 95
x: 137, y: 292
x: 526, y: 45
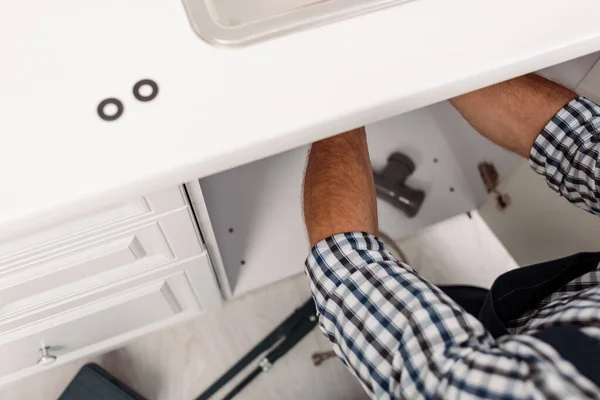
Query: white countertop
x: 221, y: 107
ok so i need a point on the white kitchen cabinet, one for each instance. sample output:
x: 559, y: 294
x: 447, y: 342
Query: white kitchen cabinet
x: 140, y: 246
x: 80, y: 280
x: 97, y: 280
x: 100, y: 319
x: 14, y: 246
x: 251, y: 216
x: 94, y: 282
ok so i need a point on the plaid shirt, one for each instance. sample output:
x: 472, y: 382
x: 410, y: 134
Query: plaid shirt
x: 402, y: 337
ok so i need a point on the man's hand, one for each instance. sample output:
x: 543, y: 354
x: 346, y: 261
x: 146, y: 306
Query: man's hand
x: 339, y: 192
x: 513, y: 113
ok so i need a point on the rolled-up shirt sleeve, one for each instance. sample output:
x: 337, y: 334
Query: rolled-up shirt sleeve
x: 402, y: 337
x: 567, y: 153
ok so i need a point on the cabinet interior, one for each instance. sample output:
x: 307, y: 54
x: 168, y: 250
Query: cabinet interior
x: 256, y: 213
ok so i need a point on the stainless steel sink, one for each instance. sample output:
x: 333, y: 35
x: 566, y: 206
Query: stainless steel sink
x: 235, y: 22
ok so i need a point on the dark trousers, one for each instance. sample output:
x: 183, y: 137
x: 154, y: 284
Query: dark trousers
x: 520, y: 290
x: 471, y: 298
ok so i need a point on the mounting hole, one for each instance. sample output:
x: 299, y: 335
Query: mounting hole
x: 110, y: 109
x: 230, y: 230
x: 145, y: 90
x: 435, y: 160
x: 243, y: 262
x: 451, y: 189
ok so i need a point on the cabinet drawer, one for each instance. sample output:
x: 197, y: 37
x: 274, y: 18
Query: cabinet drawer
x: 116, y: 215
x: 146, y: 244
x: 71, y: 332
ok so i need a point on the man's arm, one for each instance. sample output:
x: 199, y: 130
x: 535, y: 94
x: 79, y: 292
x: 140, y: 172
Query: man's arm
x: 339, y: 192
x: 542, y: 120
x: 397, y: 333
x: 513, y: 113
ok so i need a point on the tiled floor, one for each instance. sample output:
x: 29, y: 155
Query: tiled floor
x: 177, y: 363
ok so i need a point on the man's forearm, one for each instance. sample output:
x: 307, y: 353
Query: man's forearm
x: 513, y: 113
x: 339, y: 193
x: 547, y: 123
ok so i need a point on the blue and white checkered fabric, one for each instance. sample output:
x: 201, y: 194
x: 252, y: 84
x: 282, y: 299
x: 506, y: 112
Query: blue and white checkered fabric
x: 567, y: 153
x: 403, y: 338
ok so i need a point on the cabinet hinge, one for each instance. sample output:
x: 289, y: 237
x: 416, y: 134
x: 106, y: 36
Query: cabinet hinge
x: 489, y: 176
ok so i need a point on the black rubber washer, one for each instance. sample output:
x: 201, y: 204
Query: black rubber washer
x: 138, y: 86
x: 106, y: 102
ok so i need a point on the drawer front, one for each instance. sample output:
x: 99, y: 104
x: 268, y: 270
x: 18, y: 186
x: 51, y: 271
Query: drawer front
x: 71, y: 332
x: 198, y: 273
x: 169, y: 238
x: 119, y: 214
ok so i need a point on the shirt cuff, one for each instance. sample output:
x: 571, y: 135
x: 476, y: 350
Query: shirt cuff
x: 558, y: 146
x: 336, y: 258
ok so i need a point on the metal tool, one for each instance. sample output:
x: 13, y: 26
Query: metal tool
x: 390, y: 185
x: 319, y: 358
x: 279, y: 342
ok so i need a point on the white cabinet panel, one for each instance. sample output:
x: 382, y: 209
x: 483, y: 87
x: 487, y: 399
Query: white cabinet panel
x: 92, y: 283
x: 72, y: 267
x: 168, y: 238
x: 205, y: 294
x: 93, y: 323
x: 13, y: 248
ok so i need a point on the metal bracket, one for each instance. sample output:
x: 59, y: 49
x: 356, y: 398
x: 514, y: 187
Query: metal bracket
x: 265, y: 364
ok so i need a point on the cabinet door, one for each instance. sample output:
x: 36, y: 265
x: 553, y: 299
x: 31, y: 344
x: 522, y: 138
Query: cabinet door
x: 16, y: 245
x: 87, y: 325
x: 105, y: 318
x: 168, y: 238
